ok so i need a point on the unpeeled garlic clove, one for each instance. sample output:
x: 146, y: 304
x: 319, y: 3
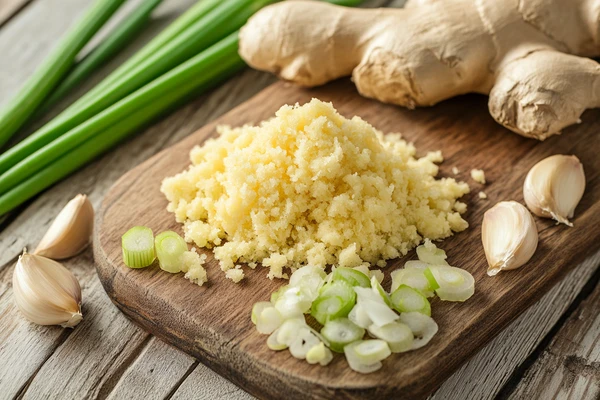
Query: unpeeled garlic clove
x: 554, y: 187
x: 70, y: 232
x: 46, y: 292
x: 509, y: 236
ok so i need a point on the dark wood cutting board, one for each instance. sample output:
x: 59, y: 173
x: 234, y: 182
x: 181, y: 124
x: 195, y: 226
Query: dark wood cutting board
x: 213, y: 323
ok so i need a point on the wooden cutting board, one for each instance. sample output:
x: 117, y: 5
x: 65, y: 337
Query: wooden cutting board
x: 213, y: 323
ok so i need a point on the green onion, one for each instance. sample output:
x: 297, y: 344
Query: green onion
x: 258, y: 308
x: 54, y: 68
x: 422, y: 327
x: 293, y: 303
x: 365, y: 356
x: 407, y: 299
x: 212, y: 27
x: 340, y: 332
x: 272, y: 342
x: 122, y: 36
x: 433, y: 256
x: 374, y: 306
x: 378, y: 289
x: 455, y: 284
x: 309, y: 279
x: 359, y: 317
x: 413, y: 277
x: 200, y: 73
x: 138, y: 247
x: 319, y: 354
x: 336, y: 300
x: 268, y: 320
x: 352, y: 276
x: 397, y: 335
x: 305, y: 340
x: 169, y: 249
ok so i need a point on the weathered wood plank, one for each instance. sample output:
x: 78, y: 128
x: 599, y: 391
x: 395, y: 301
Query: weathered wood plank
x: 570, y: 367
x: 8, y: 9
x: 485, y: 374
x: 155, y: 374
x: 203, y: 383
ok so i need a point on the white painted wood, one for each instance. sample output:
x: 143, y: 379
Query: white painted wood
x: 203, y: 383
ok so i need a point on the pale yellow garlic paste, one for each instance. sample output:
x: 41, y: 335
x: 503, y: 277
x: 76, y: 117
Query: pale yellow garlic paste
x: 311, y: 187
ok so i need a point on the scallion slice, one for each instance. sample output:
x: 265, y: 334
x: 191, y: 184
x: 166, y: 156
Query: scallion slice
x: 352, y: 276
x: 304, y: 341
x: 293, y: 303
x: 359, y: 317
x: 268, y: 320
x: 138, y: 247
x: 335, y: 300
x: 407, y: 299
x: 422, y: 327
x: 169, y: 248
x: 340, y: 332
x: 308, y: 279
x: 413, y: 277
x: 319, y: 354
x: 374, y: 306
x: 377, y: 288
x: 365, y: 356
x: 397, y: 335
x: 431, y: 255
x: 273, y: 343
x: 455, y: 284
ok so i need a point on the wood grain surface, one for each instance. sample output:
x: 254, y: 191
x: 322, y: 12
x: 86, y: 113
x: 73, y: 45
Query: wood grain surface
x: 212, y: 323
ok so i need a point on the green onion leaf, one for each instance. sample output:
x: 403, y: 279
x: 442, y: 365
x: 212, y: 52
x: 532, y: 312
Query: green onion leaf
x: 138, y: 247
x: 54, y: 68
x: 169, y: 249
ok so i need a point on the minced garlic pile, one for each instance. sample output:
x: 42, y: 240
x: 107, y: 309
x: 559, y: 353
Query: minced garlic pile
x: 311, y: 187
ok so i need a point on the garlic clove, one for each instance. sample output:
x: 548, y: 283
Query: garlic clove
x: 46, y: 292
x: 70, y: 232
x: 509, y: 236
x: 554, y: 187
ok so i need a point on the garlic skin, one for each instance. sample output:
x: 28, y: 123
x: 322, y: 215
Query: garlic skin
x: 70, y: 232
x: 554, y: 187
x: 509, y: 236
x: 46, y: 292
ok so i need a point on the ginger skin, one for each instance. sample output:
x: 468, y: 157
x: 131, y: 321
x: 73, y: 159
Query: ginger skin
x: 529, y: 56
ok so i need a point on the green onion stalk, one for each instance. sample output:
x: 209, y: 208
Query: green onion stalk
x: 126, y: 117
x: 116, y: 41
x: 54, y: 68
x: 209, y: 29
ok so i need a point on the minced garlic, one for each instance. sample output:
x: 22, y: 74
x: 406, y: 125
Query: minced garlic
x: 478, y: 176
x: 482, y: 195
x: 192, y: 264
x: 312, y: 187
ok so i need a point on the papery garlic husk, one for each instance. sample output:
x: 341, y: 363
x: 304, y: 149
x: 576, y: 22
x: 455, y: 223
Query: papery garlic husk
x: 509, y: 236
x: 46, y: 292
x: 554, y: 187
x: 70, y: 232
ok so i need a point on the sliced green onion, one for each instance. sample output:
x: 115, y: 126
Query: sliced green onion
x: 407, y: 299
x: 335, y: 300
x: 418, y: 264
x: 304, y: 341
x: 289, y: 329
x: 138, y: 247
x: 431, y: 279
x: 319, y: 354
x: 169, y: 249
x: 352, y: 276
x: 309, y: 279
x: 377, y: 288
x: 375, y: 307
x: 293, y: 303
x: 413, y: 277
x: 455, y: 284
x: 273, y: 343
x: 276, y: 294
x: 365, y: 356
x: 268, y: 320
x: 54, y: 68
x: 397, y: 335
x: 359, y: 317
x: 431, y: 255
x: 122, y: 35
x: 340, y: 332
x: 422, y: 327
x: 258, y: 308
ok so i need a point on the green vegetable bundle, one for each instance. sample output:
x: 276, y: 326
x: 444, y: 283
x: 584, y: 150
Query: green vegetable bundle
x: 195, y: 53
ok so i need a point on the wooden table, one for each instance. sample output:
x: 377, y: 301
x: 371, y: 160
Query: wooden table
x: 551, y: 351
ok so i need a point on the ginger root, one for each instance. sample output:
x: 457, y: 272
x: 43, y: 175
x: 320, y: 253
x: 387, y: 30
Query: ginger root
x: 529, y: 56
